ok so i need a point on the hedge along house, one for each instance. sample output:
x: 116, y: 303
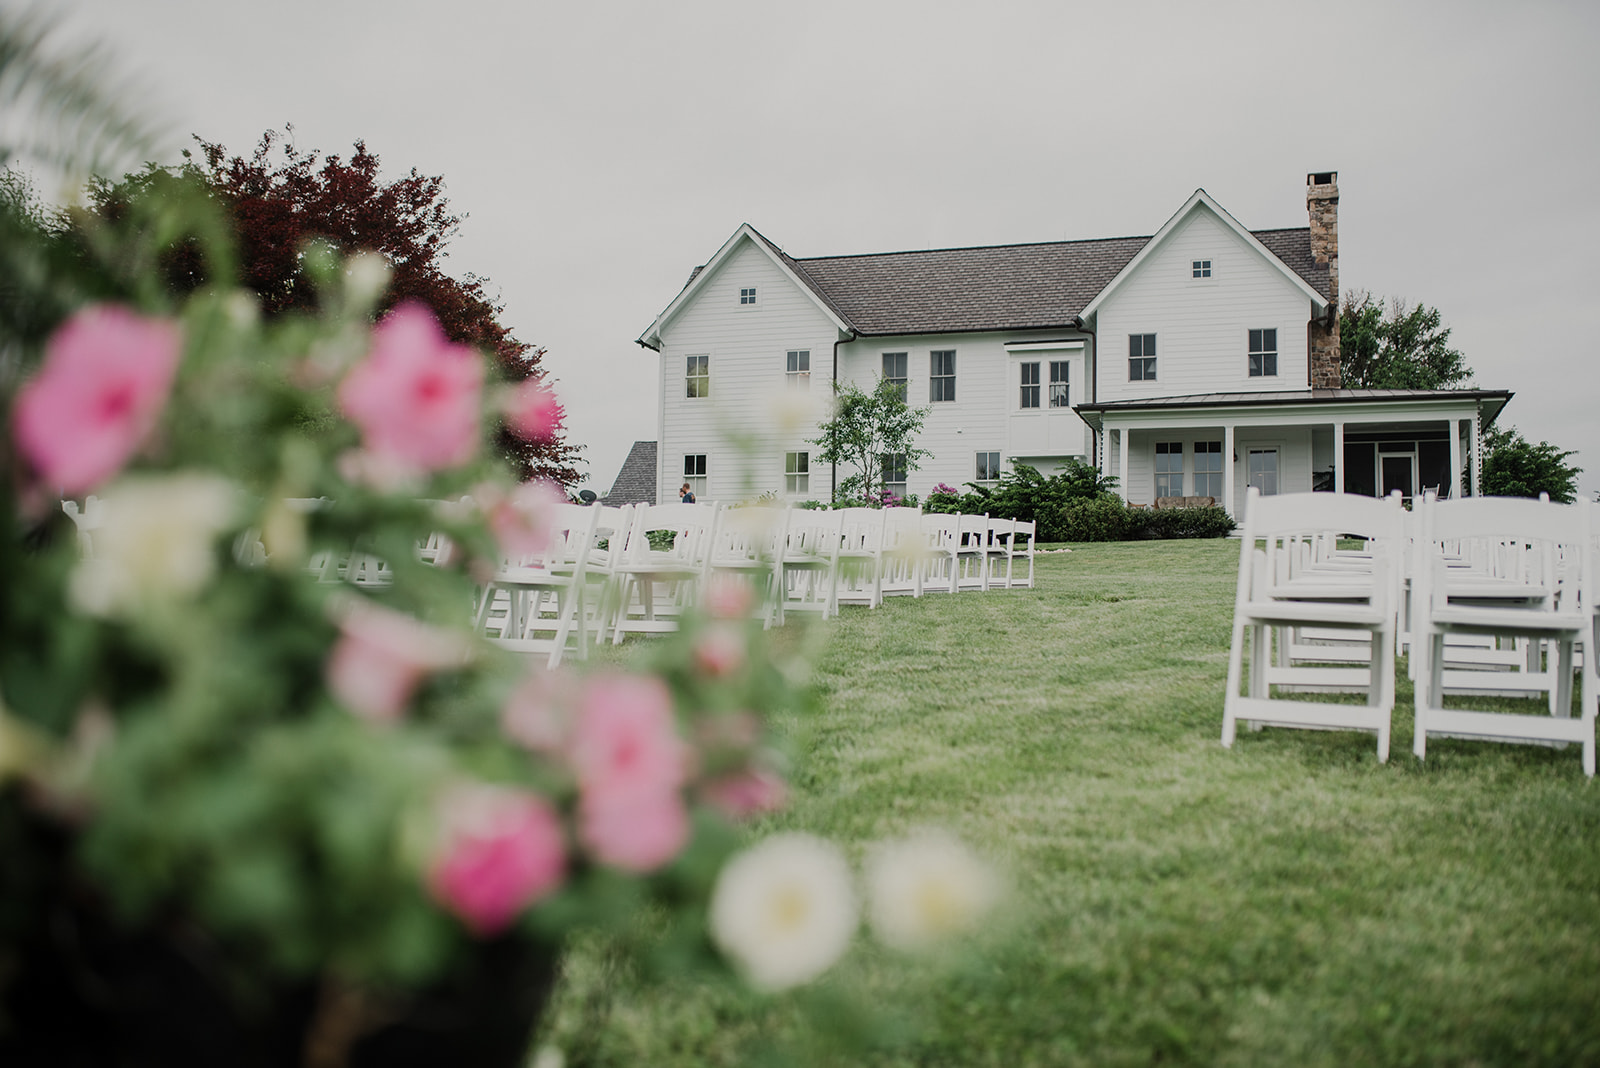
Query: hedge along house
x: 1195, y: 362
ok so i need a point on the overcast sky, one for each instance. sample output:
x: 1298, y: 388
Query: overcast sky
x: 602, y: 150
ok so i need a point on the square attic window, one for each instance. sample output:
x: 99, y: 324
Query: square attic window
x: 747, y: 295
x: 1202, y: 268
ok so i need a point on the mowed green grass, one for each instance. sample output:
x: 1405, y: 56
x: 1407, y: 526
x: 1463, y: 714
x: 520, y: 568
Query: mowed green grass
x: 1288, y: 901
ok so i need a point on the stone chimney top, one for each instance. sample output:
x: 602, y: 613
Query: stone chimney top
x: 1322, y: 204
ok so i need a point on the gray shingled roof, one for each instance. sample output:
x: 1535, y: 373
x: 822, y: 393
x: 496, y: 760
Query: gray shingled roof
x: 993, y: 287
x: 636, y: 482
x: 1294, y: 396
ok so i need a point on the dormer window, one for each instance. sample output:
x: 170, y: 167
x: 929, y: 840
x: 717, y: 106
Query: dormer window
x: 1202, y: 268
x: 747, y: 295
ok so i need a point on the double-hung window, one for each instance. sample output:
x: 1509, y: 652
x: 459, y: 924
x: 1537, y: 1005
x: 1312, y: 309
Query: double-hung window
x: 942, y: 375
x: 894, y: 370
x: 1060, y: 395
x: 694, y: 473
x: 796, y: 473
x: 1030, y: 385
x: 988, y: 467
x: 1263, y: 353
x: 894, y: 473
x: 799, y: 368
x: 1141, y: 357
x: 699, y: 376
x: 1169, y: 469
x: 1208, y: 469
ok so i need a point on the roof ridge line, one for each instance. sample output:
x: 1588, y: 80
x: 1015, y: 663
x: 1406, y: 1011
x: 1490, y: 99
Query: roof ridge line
x: 973, y: 248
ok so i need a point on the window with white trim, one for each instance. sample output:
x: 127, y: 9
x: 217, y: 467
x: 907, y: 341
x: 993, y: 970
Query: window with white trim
x: 1030, y: 385
x: 1208, y: 469
x: 798, y: 362
x: 1060, y: 395
x: 1169, y: 469
x: 988, y: 467
x: 1202, y: 268
x: 894, y: 370
x: 1141, y: 357
x: 747, y: 295
x: 894, y: 472
x: 694, y: 473
x: 942, y: 375
x: 698, y: 377
x: 1264, y: 353
x: 796, y: 473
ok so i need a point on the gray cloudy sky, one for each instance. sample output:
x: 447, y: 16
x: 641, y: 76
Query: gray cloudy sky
x: 601, y: 150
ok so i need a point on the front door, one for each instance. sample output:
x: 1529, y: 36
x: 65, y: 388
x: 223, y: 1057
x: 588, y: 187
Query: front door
x: 1263, y: 471
x: 1400, y: 473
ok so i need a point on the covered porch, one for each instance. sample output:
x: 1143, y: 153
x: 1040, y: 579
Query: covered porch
x: 1363, y: 441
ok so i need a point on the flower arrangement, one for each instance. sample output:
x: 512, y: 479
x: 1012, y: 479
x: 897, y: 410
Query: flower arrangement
x: 322, y: 804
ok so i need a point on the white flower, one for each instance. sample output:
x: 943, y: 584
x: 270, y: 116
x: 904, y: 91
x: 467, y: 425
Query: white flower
x: 366, y: 277
x: 926, y: 887
x: 791, y: 410
x: 784, y: 910
x: 157, y: 541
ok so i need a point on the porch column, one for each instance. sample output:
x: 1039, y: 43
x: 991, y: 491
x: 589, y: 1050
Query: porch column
x: 1105, y: 451
x: 1228, y: 464
x: 1477, y: 458
x: 1455, y: 458
x: 1122, y: 460
x: 1338, y: 456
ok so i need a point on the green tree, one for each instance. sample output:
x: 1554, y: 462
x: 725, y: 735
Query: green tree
x: 1515, y: 467
x: 864, y: 429
x: 1391, y: 345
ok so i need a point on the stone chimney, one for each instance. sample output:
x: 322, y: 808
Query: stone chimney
x: 1322, y: 204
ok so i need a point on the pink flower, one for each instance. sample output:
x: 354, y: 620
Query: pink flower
x: 730, y: 597
x: 625, y: 736
x: 106, y: 376
x: 746, y: 793
x: 500, y: 850
x: 416, y: 395
x: 539, y: 712
x: 635, y: 828
x: 720, y: 650
x: 532, y: 411
x: 382, y: 655
x: 522, y: 520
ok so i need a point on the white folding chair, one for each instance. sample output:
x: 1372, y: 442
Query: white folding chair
x: 654, y: 585
x: 997, y: 548
x: 1022, y: 539
x: 808, y: 563
x: 861, y: 546
x: 538, y: 604
x: 971, y: 553
x: 1535, y: 581
x: 87, y: 521
x: 1275, y: 594
x: 905, y: 554
x: 939, y: 570
x: 744, y: 548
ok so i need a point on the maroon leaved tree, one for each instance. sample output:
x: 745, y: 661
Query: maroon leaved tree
x: 281, y: 197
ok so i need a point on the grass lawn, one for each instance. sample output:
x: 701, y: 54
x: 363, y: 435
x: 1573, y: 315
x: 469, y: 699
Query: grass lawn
x: 1289, y: 902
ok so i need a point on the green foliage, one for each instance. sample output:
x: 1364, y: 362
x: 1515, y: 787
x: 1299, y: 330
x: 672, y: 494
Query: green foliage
x: 1103, y: 518
x: 1212, y: 522
x: 1514, y: 467
x: 1393, y: 346
x: 1025, y: 494
x: 864, y: 427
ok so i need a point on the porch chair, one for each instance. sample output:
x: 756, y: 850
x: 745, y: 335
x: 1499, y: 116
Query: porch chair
x: 1536, y: 581
x: 1273, y: 596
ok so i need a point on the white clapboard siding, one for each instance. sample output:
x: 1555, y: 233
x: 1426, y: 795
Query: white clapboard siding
x: 1202, y: 325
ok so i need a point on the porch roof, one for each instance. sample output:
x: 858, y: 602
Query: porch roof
x: 1490, y: 401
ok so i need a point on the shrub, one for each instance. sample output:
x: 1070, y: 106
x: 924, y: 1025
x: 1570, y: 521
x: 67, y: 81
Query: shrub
x: 1101, y: 519
x: 1212, y: 522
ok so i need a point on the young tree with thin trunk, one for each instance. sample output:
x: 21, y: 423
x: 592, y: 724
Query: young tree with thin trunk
x: 865, y: 429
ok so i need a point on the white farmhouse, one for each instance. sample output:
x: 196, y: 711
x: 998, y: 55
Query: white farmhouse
x: 1195, y: 362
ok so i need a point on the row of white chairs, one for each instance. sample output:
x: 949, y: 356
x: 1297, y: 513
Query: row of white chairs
x: 611, y: 571
x: 606, y: 571
x: 1491, y: 596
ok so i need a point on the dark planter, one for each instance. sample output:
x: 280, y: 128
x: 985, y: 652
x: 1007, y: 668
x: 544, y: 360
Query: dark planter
x: 78, y: 988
